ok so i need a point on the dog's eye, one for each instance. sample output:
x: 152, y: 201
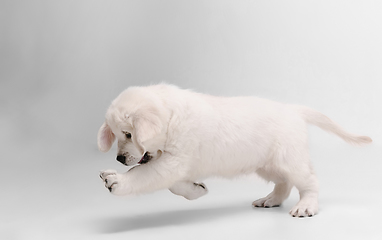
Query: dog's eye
x: 128, y: 135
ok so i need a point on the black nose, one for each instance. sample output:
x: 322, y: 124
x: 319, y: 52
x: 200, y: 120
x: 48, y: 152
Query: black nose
x: 121, y: 159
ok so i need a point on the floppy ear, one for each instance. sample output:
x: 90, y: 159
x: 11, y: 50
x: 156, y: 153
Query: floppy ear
x: 146, y: 126
x: 105, y: 138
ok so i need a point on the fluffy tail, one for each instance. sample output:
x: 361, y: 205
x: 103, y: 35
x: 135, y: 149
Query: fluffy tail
x: 320, y: 120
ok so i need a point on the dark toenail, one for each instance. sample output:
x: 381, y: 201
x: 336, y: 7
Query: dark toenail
x: 105, y: 180
x: 276, y: 206
x: 199, y: 185
x: 109, y: 188
x: 266, y: 206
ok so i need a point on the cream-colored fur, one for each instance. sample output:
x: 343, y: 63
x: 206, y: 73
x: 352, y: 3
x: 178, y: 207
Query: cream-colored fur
x: 192, y: 136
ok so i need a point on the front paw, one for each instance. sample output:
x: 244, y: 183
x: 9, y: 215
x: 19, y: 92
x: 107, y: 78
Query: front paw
x: 114, y: 182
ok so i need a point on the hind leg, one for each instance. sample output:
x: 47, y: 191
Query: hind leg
x: 301, y: 174
x: 276, y: 197
x: 291, y: 166
x: 308, y: 189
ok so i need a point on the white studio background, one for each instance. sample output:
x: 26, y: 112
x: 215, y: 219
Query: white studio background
x: 63, y: 62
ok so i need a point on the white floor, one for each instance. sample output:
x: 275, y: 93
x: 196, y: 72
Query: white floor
x: 63, y: 198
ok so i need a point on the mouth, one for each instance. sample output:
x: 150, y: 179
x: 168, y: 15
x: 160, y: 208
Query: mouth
x: 145, y: 159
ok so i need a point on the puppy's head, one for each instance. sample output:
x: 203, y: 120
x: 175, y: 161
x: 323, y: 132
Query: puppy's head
x: 138, y: 122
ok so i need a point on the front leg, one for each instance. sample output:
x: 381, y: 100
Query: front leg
x: 189, y: 190
x: 115, y: 182
x: 159, y: 174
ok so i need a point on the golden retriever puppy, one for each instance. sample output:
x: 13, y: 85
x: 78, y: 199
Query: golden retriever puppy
x: 175, y: 138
